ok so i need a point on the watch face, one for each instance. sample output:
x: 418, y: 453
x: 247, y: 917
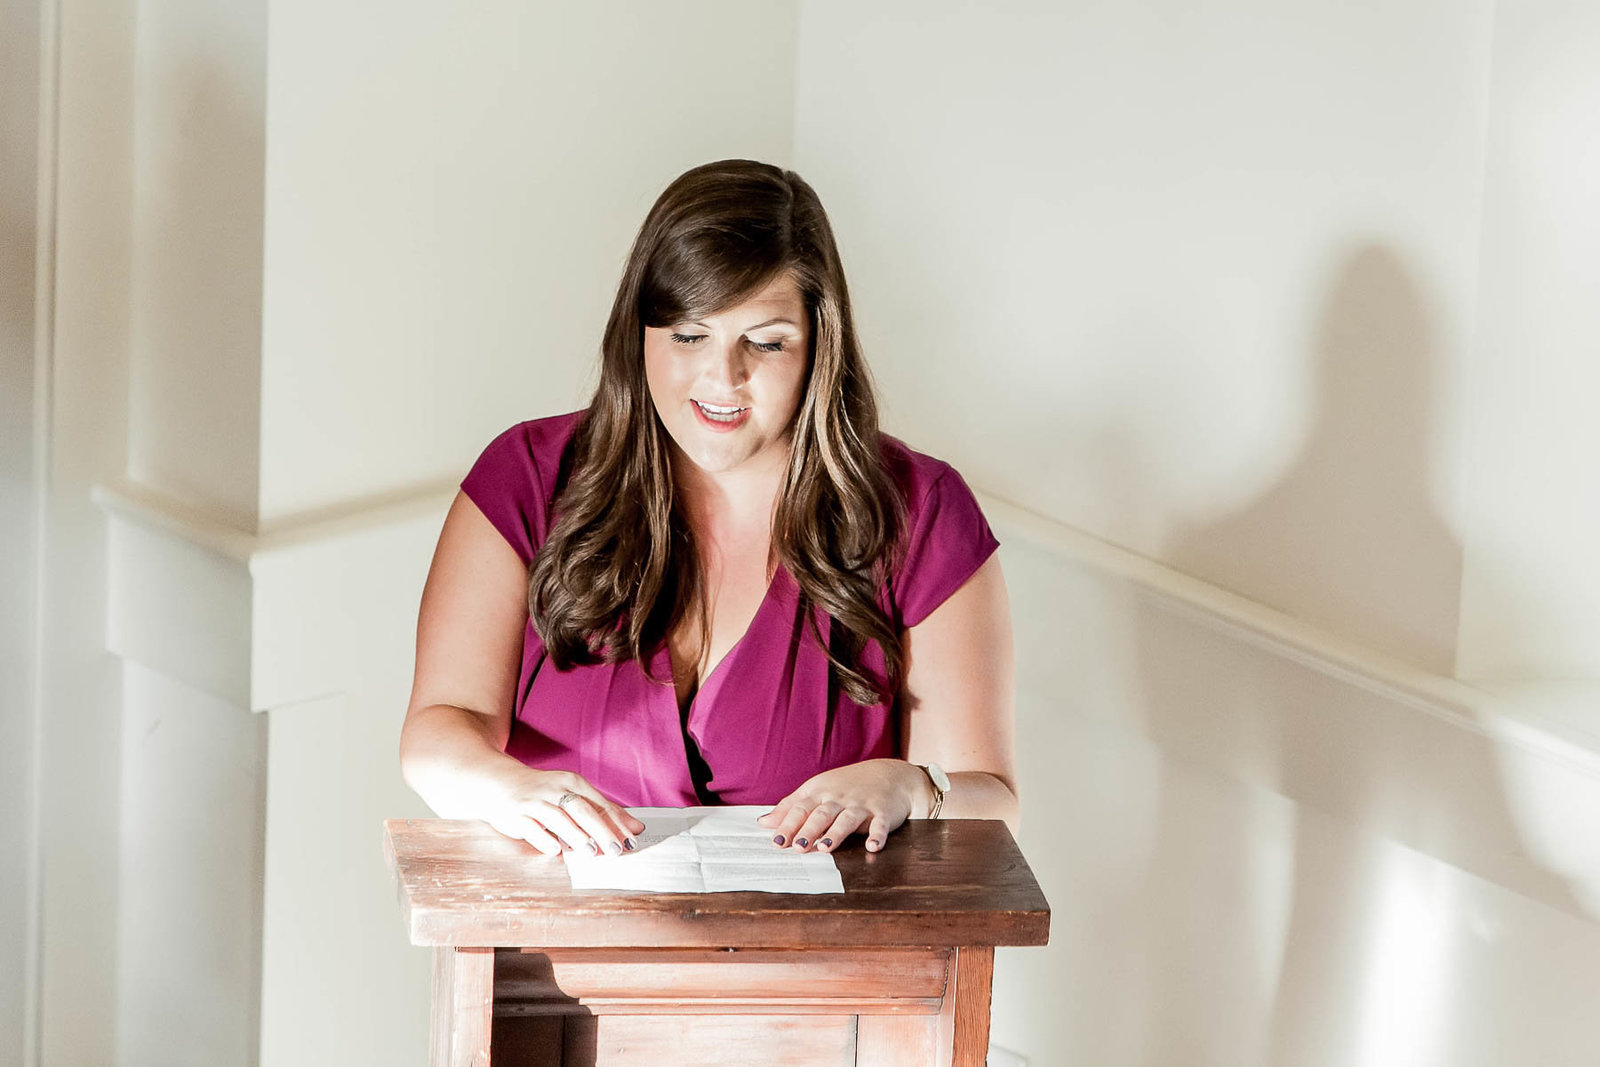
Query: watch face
x: 940, y: 779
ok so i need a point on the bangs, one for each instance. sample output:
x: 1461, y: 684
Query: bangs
x: 703, y: 274
x: 731, y: 244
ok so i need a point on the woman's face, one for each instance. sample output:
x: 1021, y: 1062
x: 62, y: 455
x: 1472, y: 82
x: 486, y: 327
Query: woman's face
x: 727, y: 386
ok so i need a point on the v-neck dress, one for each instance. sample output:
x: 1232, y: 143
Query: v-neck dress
x: 769, y: 715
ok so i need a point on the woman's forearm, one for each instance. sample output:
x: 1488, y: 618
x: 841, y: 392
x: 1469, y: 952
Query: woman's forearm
x: 976, y: 795
x: 450, y: 757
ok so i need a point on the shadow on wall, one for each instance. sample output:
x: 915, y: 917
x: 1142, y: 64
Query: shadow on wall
x: 1350, y: 538
x: 1290, y: 931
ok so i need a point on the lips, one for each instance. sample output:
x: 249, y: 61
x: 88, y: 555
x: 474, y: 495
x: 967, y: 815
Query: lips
x: 720, y: 417
x: 719, y: 410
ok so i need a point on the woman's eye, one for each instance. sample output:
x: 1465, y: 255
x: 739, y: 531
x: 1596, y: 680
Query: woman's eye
x: 759, y: 346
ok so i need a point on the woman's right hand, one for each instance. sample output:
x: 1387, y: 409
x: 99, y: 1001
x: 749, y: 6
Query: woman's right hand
x: 470, y: 631
x: 528, y: 807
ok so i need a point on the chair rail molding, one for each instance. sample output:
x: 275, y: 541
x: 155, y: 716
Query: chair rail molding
x: 1501, y: 782
x: 306, y: 609
x: 230, y: 611
x: 259, y: 619
x: 1540, y: 717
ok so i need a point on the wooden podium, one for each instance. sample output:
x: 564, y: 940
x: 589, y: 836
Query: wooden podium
x: 895, y: 971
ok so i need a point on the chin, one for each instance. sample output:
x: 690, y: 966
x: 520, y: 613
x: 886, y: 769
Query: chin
x: 716, y: 453
x: 718, y: 461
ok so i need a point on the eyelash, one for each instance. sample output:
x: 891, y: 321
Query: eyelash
x: 689, y: 339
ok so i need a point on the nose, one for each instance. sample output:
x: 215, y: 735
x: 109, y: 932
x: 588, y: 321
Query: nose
x: 727, y: 367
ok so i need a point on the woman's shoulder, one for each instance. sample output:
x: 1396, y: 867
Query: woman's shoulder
x: 915, y: 474
x: 542, y: 440
x: 515, y: 478
x: 945, y: 538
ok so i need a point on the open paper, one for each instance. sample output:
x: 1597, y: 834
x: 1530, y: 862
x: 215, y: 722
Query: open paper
x: 706, y: 850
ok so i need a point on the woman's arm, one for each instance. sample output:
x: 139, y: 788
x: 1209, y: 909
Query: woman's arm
x: 469, y: 649
x: 960, y: 692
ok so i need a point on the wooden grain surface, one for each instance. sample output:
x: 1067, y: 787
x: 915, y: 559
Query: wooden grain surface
x: 735, y: 1041
x: 964, y: 1024
x: 929, y: 1007
x: 941, y: 882
x: 686, y: 974
x: 463, y: 999
x: 896, y: 1041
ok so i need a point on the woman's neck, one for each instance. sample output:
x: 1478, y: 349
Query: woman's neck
x: 729, y: 504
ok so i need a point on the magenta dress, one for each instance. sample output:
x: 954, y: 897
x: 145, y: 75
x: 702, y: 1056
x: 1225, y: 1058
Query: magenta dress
x: 768, y: 716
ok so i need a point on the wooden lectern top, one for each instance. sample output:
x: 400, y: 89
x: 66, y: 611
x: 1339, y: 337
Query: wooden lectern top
x: 944, y: 882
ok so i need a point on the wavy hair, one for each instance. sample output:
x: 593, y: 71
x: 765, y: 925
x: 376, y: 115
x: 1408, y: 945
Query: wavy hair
x: 619, y: 568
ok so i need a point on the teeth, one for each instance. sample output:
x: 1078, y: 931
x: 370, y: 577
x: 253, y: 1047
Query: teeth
x: 712, y: 409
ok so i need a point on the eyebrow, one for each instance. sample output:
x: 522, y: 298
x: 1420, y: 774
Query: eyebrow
x: 770, y: 322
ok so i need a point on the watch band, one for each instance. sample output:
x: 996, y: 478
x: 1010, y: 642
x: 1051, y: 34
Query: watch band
x: 935, y: 775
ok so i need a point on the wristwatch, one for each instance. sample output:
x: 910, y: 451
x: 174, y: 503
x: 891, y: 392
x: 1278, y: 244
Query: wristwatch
x: 941, y: 785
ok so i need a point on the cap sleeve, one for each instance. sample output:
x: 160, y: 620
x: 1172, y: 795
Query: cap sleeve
x: 507, y: 485
x: 948, y: 540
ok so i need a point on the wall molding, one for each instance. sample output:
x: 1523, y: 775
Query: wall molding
x: 1515, y: 715
x: 259, y: 619
x: 201, y: 527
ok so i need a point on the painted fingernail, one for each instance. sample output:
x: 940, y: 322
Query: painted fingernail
x: 800, y: 841
x: 630, y: 844
x: 594, y: 849
x: 778, y: 840
x: 827, y: 842
x: 613, y: 848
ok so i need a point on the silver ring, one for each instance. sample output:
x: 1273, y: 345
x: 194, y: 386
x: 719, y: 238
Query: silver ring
x: 562, y: 803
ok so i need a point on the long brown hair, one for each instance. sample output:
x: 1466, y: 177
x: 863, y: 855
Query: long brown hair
x: 619, y: 567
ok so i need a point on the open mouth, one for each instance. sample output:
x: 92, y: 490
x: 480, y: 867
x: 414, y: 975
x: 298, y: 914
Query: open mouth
x: 721, y: 415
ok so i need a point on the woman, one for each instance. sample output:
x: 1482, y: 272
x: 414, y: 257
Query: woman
x: 719, y: 583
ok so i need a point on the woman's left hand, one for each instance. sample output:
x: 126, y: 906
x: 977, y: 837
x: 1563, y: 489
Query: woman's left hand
x: 874, y: 797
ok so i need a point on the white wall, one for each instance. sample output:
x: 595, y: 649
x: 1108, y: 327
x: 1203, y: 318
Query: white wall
x: 434, y: 200
x: 340, y: 982
x: 1252, y: 860
x: 1206, y: 284
x: 450, y: 196
x: 195, y: 378
x: 451, y: 193
x: 1291, y: 300
x: 1531, y: 588
x: 1196, y: 282
x: 81, y: 727
x: 190, y: 810
x: 192, y: 770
